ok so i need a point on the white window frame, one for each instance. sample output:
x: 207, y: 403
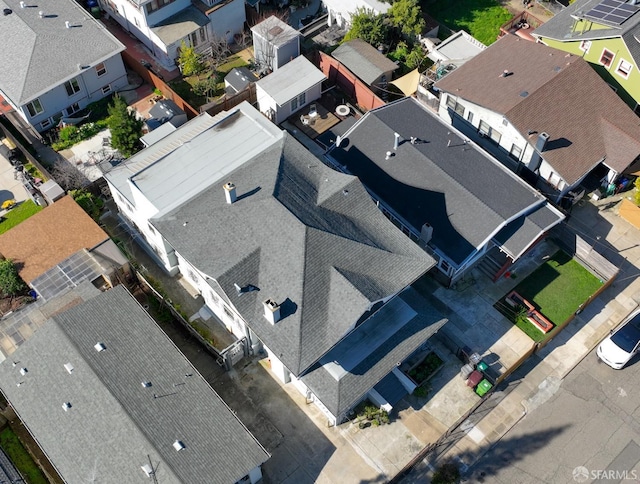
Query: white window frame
x: 106, y: 89
x: 101, y: 69
x: 613, y: 56
x: 515, y: 152
x: 302, y: 99
x: 45, y: 123
x: 34, y: 108
x: 622, y: 73
x: 585, y: 45
x: 72, y: 87
x: 74, y: 108
x: 294, y: 104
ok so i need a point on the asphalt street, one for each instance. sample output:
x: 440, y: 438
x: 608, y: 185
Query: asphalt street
x: 587, y: 431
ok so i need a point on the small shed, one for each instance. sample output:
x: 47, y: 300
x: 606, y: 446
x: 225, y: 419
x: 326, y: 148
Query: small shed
x: 165, y: 111
x: 274, y: 43
x: 51, y: 191
x: 365, y: 61
x: 238, y: 79
x: 289, y: 89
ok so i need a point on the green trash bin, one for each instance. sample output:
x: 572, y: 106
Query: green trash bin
x: 483, y: 387
x: 482, y: 366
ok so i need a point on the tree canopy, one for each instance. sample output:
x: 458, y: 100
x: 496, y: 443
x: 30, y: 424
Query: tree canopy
x: 126, y: 129
x: 368, y: 26
x: 407, y: 16
x: 10, y: 282
x: 189, y: 61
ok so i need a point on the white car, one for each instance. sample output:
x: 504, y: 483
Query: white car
x: 622, y: 344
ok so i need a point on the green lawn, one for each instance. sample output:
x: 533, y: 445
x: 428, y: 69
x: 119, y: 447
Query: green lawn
x: 16, y: 215
x: 481, y: 18
x: 559, y: 287
x: 20, y: 457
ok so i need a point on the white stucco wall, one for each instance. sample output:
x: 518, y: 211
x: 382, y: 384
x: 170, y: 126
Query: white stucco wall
x: 266, y: 102
x: 229, y: 18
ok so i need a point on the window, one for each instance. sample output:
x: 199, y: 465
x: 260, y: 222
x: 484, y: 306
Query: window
x: 106, y: 89
x: 74, y: 108
x: 302, y: 99
x: 495, y: 135
x: 136, y: 21
x: 487, y: 131
x: 484, y: 128
x: 624, y: 68
x: 197, y: 37
x: 606, y: 58
x: 455, y: 105
x: 294, y: 104
x: 45, y: 124
x: 72, y: 87
x: 470, y: 117
x: 152, y: 230
x: 34, y: 108
x: 157, y: 4
x: 101, y: 70
x: 585, y: 45
x: 515, y: 152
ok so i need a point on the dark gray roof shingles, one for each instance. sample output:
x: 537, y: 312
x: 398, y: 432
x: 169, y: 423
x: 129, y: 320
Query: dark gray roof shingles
x: 308, y: 237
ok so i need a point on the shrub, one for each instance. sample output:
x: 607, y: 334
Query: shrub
x: 447, y: 473
x: 10, y: 282
x: 89, y: 202
x: 421, y: 391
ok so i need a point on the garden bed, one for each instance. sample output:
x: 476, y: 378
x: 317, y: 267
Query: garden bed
x: 20, y: 457
x: 424, y: 370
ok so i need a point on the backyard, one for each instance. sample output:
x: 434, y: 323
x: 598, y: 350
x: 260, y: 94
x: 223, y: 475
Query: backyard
x: 481, y: 18
x: 557, y: 289
x: 16, y: 215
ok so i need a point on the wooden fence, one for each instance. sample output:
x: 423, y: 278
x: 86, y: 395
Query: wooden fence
x: 347, y: 81
x: 158, y: 83
x: 228, y: 102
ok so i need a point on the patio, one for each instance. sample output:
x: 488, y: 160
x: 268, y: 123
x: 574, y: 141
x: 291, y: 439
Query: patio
x: 90, y: 155
x: 314, y: 120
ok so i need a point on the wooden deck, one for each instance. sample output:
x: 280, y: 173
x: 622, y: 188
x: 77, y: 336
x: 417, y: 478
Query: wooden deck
x: 317, y: 124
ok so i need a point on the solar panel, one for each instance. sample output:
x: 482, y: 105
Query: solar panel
x: 613, y: 12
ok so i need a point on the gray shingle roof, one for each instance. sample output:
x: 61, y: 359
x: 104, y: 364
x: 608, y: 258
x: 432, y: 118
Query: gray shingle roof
x: 180, y: 25
x: 363, y: 60
x: 460, y: 191
x: 38, y: 54
x: 115, y: 425
x: 290, y: 80
x: 373, y: 350
x: 307, y: 237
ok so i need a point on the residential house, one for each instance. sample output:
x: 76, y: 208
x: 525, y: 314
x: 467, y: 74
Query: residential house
x: 163, y: 25
x: 531, y: 107
x: 292, y: 256
x: 289, y: 89
x: 108, y: 397
x: 57, y: 59
x: 238, y: 79
x: 445, y: 193
x: 366, y: 62
x: 60, y: 247
x: 340, y: 11
x: 274, y: 44
x: 604, y: 33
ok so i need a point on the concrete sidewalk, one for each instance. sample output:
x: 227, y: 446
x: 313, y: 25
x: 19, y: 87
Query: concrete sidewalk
x: 611, y: 236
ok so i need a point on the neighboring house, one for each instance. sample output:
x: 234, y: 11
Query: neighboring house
x: 366, y: 62
x: 292, y: 256
x: 445, y: 193
x: 274, y: 43
x: 56, y: 59
x: 108, y: 397
x: 289, y: 89
x: 60, y: 247
x: 162, y: 25
x: 238, y: 79
x: 607, y: 35
x: 535, y: 109
x: 340, y: 11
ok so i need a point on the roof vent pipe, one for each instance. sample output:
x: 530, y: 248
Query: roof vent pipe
x: 41, y: 14
x: 396, y: 141
x: 22, y: 4
x: 541, y: 144
x: 67, y: 24
x: 230, y: 192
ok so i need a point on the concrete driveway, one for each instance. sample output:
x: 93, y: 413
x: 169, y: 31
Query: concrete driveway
x: 10, y: 187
